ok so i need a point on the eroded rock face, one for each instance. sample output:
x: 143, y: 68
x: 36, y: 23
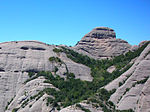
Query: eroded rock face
x: 101, y: 43
x: 134, y: 92
x: 144, y: 100
x: 19, y: 58
x: 74, y: 108
x: 101, y: 33
x: 27, y: 91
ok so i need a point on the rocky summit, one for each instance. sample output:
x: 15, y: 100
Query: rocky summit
x: 101, y: 33
x: 99, y: 74
x: 101, y: 43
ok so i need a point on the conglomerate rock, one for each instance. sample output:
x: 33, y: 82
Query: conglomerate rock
x: 101, y: 43
x: 19, y: 58
x: 134, y: 92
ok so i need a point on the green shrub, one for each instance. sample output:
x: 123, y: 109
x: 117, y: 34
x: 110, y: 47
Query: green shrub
x: 30, y: 74
x: 15, y: 109
x: 70, y: 75
x: 127, y: 89
x: 120, y: 84
x: 142, y: 81
x: 56, y: 69
x: 55, y: 59
x: 72, y: 91
x: 56, y: 50
x: 30, y: 106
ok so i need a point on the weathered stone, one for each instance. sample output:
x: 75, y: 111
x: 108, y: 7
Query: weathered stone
x: 144, y: 100
x: 125, y: 99
x: 74, y: 108
x: 101, y: 43
x: 18, y: 58
x: 27, y: 91
x: 101, y: 33
x: 111, y: 69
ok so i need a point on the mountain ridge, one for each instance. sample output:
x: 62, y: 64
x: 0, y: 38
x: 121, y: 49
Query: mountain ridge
x: 33, y: 75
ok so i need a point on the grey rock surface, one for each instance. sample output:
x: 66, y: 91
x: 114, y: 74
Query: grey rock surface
x: 74, y: 108
x: 144, y: 100
x: 101, y: 33
x: 25, y: 93
x: 111, y: 69
x: 18, y: 58
x: 132, y: 94
x: 101, y: 43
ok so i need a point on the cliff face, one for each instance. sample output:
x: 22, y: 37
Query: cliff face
x: 132, y: 88
x: 23, y: 92
x: 133, y: 91
x: 19, y: 58
x: 101, y: 43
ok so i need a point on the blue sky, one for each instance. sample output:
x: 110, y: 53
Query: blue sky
x: 67, y: 21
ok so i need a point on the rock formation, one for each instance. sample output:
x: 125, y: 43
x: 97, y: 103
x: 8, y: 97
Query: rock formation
x: 134, y: 91
x: 19, y: 58
x: 20, y: 94
x: 101, y: 43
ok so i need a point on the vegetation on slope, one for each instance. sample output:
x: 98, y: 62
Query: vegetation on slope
x: 73, y: 90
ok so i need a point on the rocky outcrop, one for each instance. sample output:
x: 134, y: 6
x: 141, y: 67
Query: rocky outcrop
x: 19, y: 58
x: 27, y: 94
x: 101, y: 43
x: 143, y: 102
x: 133, y: 93
x: 75, y: 108
x: 111, y: 69
x: 101, y: 33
